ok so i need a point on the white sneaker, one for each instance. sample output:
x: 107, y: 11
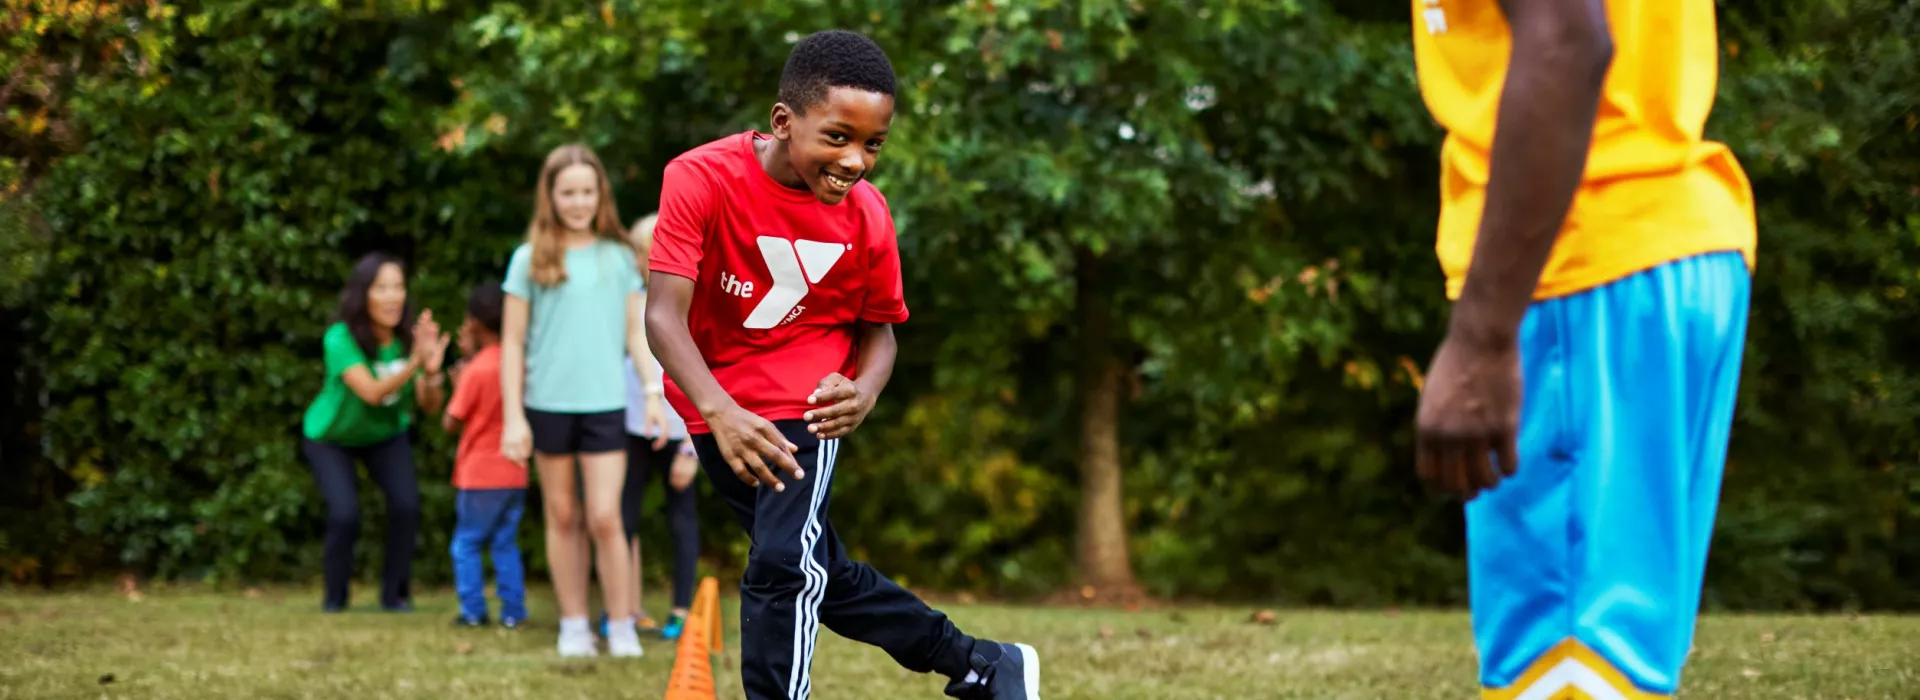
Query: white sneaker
x: 623, y: 640
x: 575, y: 643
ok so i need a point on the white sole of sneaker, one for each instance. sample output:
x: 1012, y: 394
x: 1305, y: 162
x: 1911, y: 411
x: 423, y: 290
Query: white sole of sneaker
x: 1031, y: 665
x: 587, y: 648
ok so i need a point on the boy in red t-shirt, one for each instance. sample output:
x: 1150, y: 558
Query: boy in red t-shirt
x: 492, y: 489
x: 775, y: 283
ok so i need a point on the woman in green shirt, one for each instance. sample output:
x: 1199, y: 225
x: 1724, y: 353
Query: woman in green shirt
x: 374, y: 351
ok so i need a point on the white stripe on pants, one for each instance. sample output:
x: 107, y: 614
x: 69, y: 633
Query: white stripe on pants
x: 806, y: 612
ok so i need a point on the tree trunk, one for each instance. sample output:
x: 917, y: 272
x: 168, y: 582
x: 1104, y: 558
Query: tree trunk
x: 1103, y: 558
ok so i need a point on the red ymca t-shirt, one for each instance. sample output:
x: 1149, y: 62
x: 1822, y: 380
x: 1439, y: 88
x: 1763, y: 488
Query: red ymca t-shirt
x: 477, y: 404
x: 779, y: 278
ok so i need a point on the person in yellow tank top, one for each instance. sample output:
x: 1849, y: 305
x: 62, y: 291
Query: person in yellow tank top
x: 1599, y: 252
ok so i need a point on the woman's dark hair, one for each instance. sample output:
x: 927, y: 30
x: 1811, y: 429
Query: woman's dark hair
x: 353, y: 305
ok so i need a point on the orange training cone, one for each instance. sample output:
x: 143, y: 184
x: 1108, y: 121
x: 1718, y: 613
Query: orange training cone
x: 692, y: 677
x: 718, y: 642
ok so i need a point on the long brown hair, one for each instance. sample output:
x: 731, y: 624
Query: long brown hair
x: 544, y: 234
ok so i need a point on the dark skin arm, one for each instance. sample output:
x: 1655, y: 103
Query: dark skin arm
x: 849, y: 401
x: 1470, y: 406
x: 751, y: 445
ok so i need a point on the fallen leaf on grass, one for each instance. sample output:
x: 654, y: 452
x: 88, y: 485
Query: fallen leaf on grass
x: 1144, y: 633
x: 464, y: 648
x: 1749, y: 673
x: 1106, y: 632
x: 1766, y: 637
x: 253, y: 592
x: 1264, y: 617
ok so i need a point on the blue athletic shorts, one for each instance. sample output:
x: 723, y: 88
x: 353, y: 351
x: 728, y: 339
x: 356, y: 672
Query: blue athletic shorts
x: 1585, y: 566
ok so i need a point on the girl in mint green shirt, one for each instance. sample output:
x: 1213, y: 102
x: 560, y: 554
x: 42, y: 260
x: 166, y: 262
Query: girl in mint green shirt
x: 571, y: 323
x: 380, y: 363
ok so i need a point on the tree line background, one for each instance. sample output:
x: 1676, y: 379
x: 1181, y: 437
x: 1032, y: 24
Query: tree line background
x: 1171, y: 267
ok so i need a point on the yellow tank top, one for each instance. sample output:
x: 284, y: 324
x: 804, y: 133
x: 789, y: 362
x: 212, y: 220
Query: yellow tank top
x: 1654, y: 189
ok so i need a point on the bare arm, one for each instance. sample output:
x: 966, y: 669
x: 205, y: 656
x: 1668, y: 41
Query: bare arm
x: 638, y: 349
x: 431, y: 393
x: 1561, y: 53
x: 653, y: 411
x: 666, y: 329
x: 513, y: 358
x: 877, y: 352
x: 752, y: 446
x: 373, y: 391
x: 1470, y: 405
x: 845, y: 403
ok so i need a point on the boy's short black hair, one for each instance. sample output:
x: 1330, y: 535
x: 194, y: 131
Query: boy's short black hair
x: 486, y: 303
x: 830, y: 59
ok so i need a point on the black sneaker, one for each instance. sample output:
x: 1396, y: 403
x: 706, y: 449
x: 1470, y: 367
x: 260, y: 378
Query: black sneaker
x: 465, y: 621
x: 1012, y: 673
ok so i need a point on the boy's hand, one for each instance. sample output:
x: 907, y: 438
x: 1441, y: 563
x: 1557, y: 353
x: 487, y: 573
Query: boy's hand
x: 846, y: 407
x: 753, y: 447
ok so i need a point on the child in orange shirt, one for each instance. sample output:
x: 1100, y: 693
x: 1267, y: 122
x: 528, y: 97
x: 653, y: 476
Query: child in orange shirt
x: 492, y: 489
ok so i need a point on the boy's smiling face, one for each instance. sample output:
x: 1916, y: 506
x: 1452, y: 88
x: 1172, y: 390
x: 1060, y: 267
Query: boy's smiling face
x: 834, y: 144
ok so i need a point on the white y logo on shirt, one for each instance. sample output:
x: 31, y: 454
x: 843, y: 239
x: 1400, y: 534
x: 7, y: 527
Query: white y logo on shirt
x: 793, y: 266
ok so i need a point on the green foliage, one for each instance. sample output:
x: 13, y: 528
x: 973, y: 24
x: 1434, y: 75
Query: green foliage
x: 1251, y: 184
x: 1821, y: 103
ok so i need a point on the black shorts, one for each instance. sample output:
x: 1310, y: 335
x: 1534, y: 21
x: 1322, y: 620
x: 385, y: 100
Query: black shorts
x: 578, y: 433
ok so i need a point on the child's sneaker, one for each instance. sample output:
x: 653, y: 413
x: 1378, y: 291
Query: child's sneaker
x: 470, y: 621
x: 623, y: 640
x: 576, y: 639
x: 1000, y: 672
x: 512, y: 623
x: 675, y: 623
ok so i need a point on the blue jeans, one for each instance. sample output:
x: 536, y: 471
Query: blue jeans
x: 489, y: 518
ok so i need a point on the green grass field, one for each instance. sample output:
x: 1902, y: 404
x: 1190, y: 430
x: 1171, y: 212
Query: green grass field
x: 195, y: 643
